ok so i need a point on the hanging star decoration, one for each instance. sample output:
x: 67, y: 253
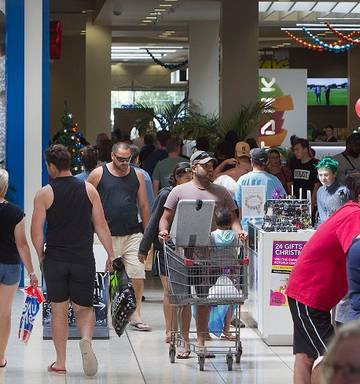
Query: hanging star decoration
x: 343, y: 44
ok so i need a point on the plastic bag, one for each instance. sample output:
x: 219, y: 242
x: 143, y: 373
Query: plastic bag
x: 224, y: 288
x: 122, y: 297
x: 217, y: 319
x: 33, y: 300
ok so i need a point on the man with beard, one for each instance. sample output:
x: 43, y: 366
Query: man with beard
x: 123, y: 194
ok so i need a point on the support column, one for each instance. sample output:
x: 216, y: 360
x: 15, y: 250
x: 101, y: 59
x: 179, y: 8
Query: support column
x: 354, y: 87
x: 239, y: 32
x: 98, y: 80
x: 204, y: 66
x: 36, y: 103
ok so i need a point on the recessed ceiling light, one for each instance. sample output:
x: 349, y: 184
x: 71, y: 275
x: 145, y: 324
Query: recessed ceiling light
x: 160, y: 9
x: 151, y: 17
x: 165, y: 5
x: 147, y: 21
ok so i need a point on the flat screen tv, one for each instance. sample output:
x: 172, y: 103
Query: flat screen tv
x: 327, y: 91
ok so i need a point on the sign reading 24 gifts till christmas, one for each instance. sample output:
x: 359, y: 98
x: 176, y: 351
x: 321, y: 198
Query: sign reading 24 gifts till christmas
x: 285, y: 254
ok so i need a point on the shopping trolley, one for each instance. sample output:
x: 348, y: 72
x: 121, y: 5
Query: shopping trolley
x: 206, y: 276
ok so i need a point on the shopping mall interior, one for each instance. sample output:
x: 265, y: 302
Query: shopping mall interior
x: 74, y: 72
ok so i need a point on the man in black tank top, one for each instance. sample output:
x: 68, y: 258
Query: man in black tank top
x: 123, y: 194
x: 72, y: 211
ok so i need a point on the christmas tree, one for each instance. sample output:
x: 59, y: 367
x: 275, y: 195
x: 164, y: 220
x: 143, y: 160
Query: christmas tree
x: 72, y: 139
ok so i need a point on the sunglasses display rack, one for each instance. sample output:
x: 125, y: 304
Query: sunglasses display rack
x: 287, y: 215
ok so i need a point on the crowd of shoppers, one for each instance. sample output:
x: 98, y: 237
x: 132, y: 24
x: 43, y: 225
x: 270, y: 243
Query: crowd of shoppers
x: 128, y: 196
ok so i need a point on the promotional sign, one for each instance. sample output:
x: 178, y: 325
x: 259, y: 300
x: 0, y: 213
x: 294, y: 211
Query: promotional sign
x: 101, y: 295
x: 253, y: 199
x: 284, y: 256
x: 286, y: 90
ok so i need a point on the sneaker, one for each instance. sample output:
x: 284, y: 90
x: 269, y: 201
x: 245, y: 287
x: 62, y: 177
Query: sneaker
x: 90, y: 364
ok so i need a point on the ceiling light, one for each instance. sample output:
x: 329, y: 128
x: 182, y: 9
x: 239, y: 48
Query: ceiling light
x: 146, y: 21
x: 343, y: 7
x: 160, y: 9
x: 320, y: 29
x: 303, y: 6
x: 321, y: 24
x: 171, y: 1
x: 264, y: 6
x: 324, y: 6
x: 165, y: 5
x: 338, y: 18
x: 151, y: 17
x: 281, y: 6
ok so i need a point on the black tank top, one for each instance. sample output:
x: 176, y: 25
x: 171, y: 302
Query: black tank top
x: 119, y: 198
x: 70, y: 231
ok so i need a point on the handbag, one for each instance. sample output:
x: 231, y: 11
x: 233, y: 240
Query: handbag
x: 122, y: 297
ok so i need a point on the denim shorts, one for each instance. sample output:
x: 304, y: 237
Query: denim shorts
x: 9, y: 274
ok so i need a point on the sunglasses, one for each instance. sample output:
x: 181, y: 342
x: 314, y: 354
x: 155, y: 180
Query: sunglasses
x: 184, y: 171
x: 202, y: 155
x: 123, y: 159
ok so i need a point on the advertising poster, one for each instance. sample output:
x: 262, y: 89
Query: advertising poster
x: 286, y: 90
x: 253, y: 199
x: 284, y: 256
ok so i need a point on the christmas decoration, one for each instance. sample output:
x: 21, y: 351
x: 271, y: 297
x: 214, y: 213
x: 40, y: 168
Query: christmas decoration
x: 329, y: 47
x: 167, y: 66
x: 347, y: 38
x: 55, y: 39
x: 357, y: 107
x: 321, y: 46
x: 71, y: 138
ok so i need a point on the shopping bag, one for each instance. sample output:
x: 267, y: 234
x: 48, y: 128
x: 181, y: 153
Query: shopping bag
x: 33, y: 300
x: 224, y: 288
x: 122, y: 297
x: 217, y: 319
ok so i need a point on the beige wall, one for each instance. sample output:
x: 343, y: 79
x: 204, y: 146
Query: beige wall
x: 98, y: 80
x: 67, y: 82
x: 140, y: 77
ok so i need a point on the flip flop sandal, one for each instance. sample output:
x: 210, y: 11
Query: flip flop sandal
x: 4, y: 365
x: 90, y: 364
x: 183, y: 355
x: 52, y: 369
x: 228, y: 337
x: 140, y: 326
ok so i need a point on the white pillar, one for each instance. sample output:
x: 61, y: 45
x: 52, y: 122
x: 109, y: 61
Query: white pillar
x: 204, y: 66
x: 33, y: 65
x: 239, y: 33
x: 98, y: 80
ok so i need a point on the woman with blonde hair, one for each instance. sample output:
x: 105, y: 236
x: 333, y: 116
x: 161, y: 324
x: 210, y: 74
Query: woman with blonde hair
x: 341, y: 364
x: 13, y: 248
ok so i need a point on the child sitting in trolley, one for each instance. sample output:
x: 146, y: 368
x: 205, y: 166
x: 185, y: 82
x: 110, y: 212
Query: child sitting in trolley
x: 225, y: 237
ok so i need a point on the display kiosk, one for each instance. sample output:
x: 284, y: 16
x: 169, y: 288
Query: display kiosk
x: 272, y: 255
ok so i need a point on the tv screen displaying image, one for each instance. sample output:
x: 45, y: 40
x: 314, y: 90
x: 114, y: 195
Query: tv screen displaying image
x: 327, y: 91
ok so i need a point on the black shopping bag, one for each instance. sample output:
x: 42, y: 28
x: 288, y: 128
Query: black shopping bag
x: 122, y: 297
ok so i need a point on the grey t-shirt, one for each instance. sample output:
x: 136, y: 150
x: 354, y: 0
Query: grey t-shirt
x: 191, y: 190
x: 348, y: 166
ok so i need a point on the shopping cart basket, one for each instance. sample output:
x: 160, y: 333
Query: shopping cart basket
x: 206, y: 276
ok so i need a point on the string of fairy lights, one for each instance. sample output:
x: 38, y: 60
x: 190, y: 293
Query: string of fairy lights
x: 343, y: 43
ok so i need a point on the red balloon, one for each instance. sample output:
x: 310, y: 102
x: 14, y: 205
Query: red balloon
x: 357, y: 107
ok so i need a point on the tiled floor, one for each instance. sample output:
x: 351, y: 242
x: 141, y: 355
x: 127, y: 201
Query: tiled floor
x: 138, y: 358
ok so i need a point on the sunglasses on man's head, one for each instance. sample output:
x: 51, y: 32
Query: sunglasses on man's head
x: 121, y: 159
x: 202, y: 155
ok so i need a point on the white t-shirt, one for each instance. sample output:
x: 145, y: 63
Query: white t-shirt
x: 227, y: 182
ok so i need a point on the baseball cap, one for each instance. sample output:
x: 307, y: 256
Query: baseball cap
x: 259, y: 155
x: 242, y: 149
x: 201, y: 157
